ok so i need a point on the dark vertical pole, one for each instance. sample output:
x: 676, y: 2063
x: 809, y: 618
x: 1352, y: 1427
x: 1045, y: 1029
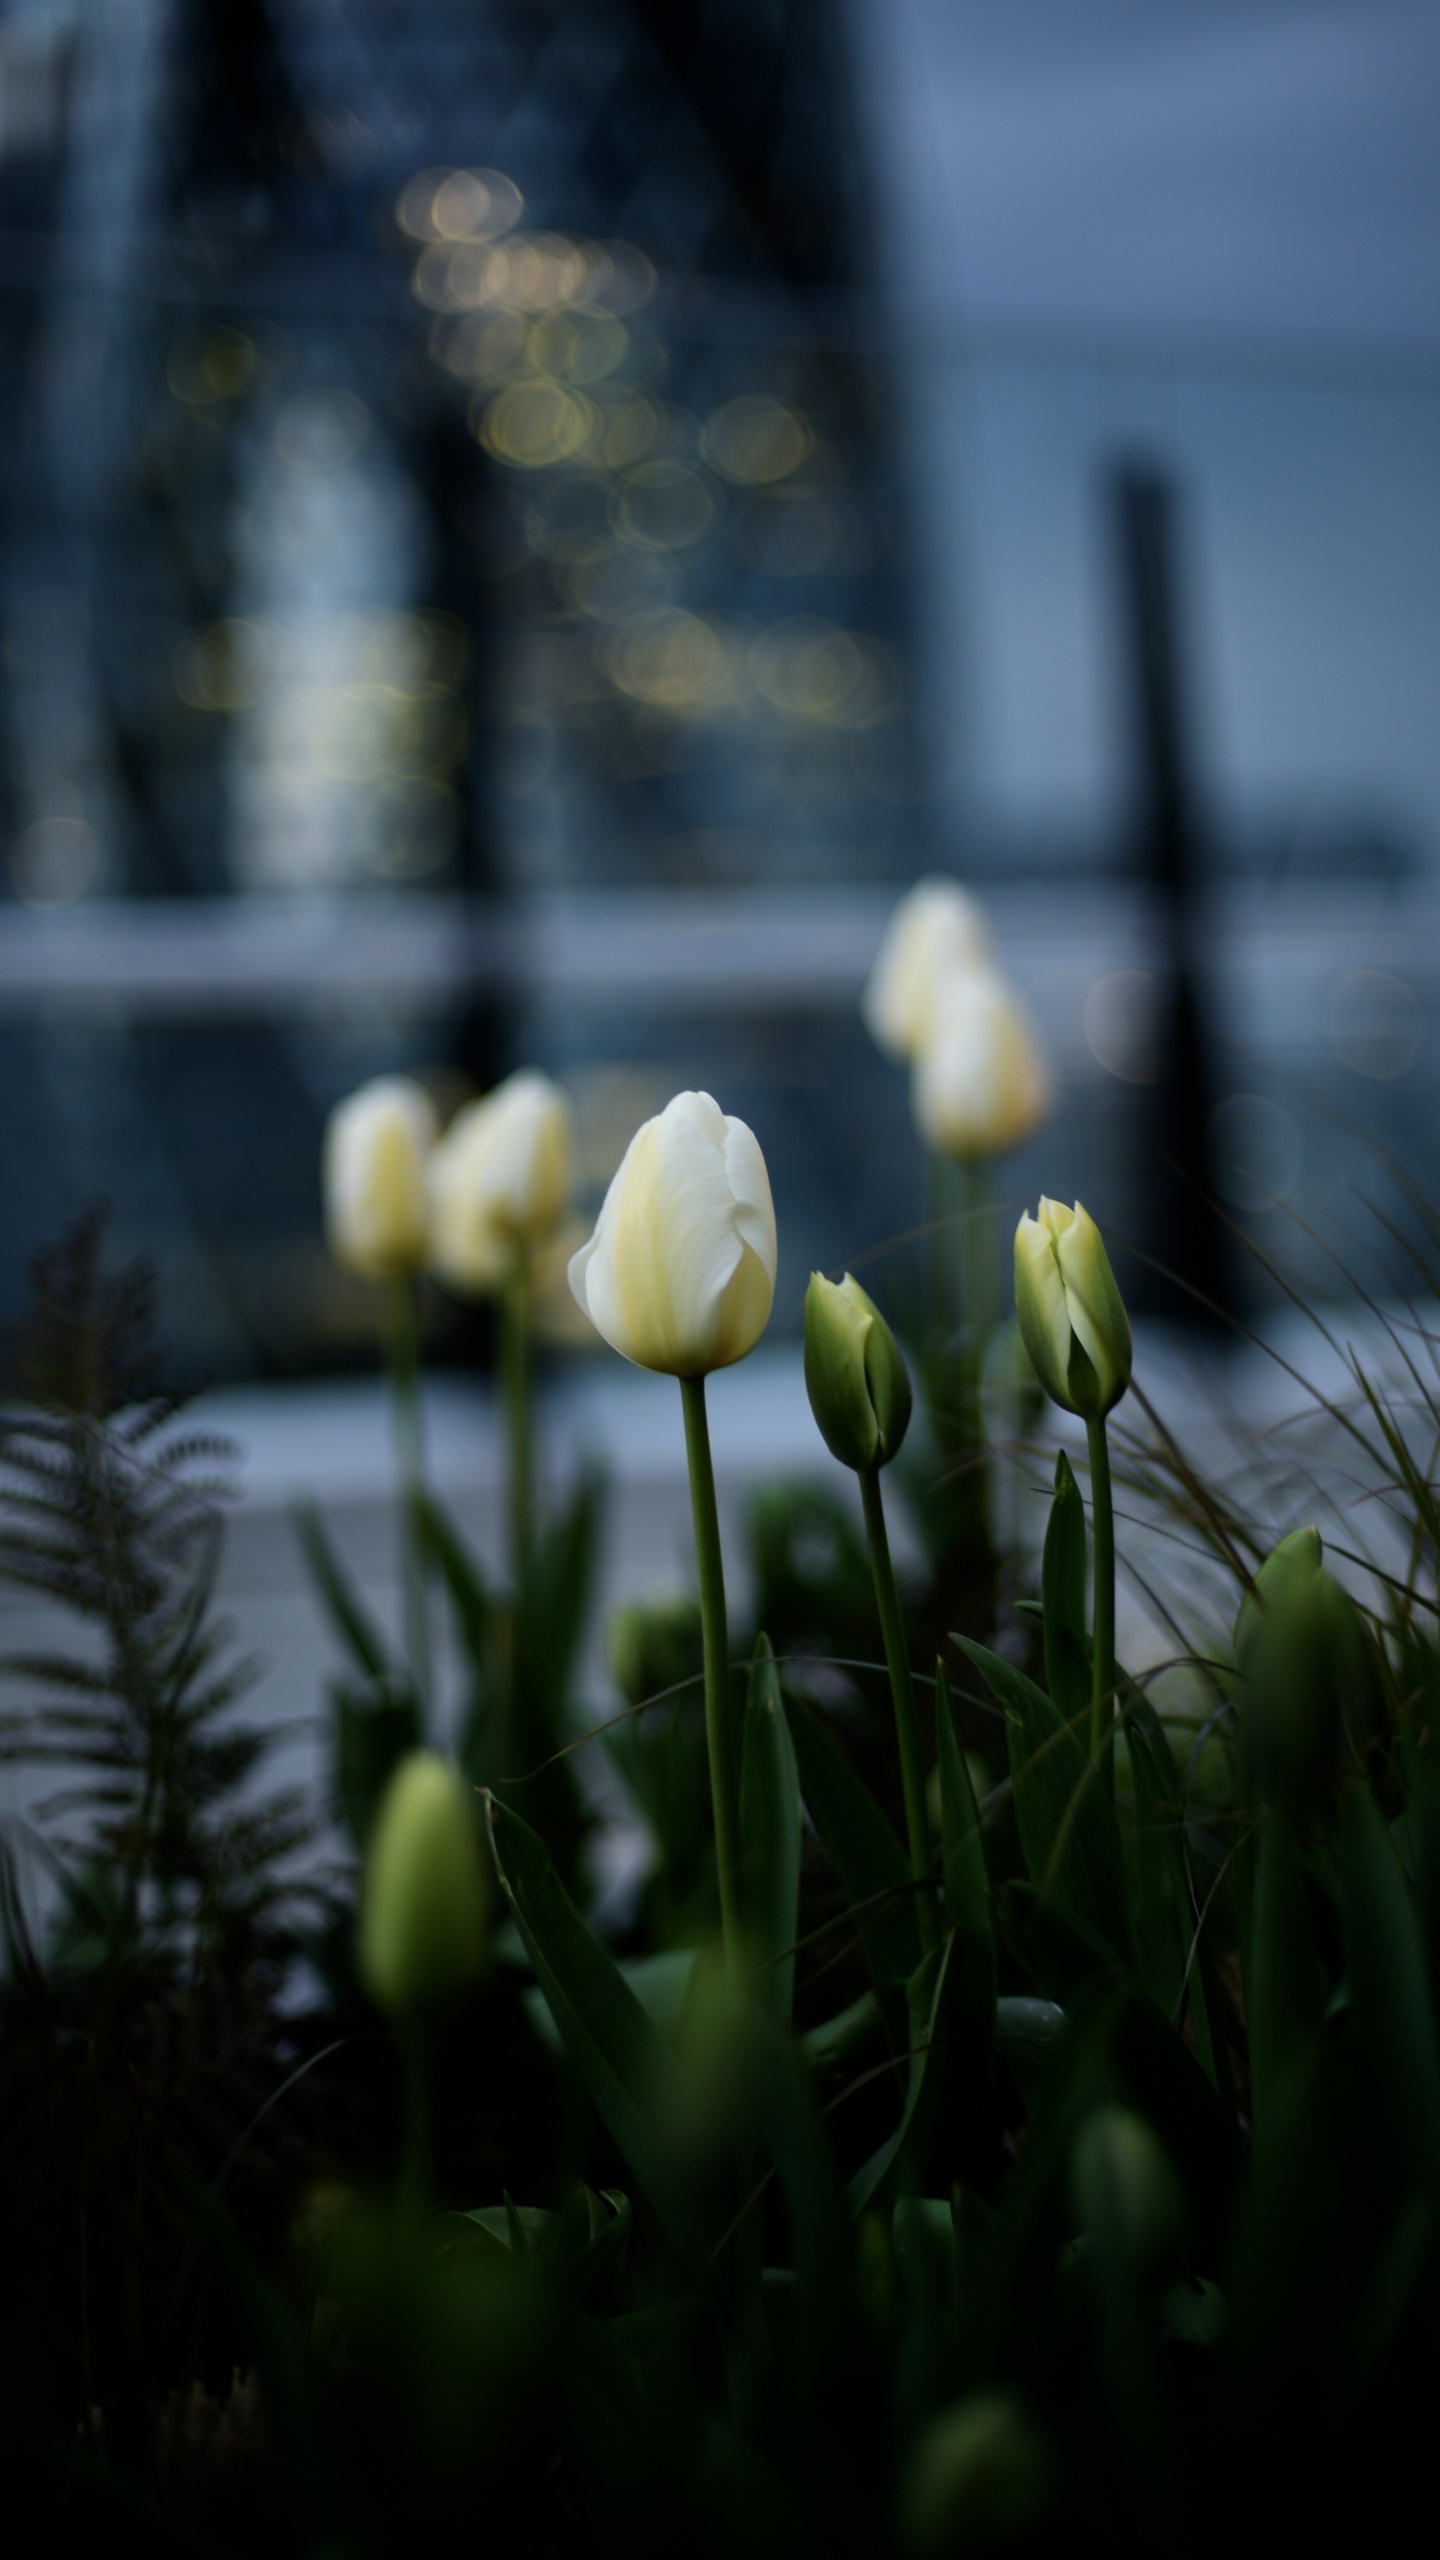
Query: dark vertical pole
x: 1179, y: 1228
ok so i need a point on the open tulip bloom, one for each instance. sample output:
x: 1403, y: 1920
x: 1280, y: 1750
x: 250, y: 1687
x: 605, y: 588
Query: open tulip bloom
x: 936, y: 927
x: 500, y: 1184
x: 679, y: 1276
x: 375, y: 1172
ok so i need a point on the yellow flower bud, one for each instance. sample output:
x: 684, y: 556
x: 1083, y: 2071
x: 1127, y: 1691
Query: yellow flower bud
x: 1071, y: 1312
x: 857, y: 1382
x: 500, y: 1180
x: 935, y: 928
x: 980, y: 1084
x: 377, y: 1144
x: 425, y: 1903
x: 680, y: 1272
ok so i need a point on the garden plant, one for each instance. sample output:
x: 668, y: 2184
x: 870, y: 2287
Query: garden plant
x: 1008, y: 2116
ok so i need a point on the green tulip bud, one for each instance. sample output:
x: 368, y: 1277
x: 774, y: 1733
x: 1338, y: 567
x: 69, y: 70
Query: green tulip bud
x: 978, y: 2473
x: 425, y: 1902
x: 857, y: 1382
x: 653, y: 1646
x: 1126, y: 2193
x: 1309, y: 1677
x: 1071, y: 1312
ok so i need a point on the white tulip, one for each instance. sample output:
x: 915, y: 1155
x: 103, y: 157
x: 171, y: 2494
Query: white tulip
x: 937, y: 928
x: 680, y: 1272
x: 980, y: 1084
x: 377, y: 1144
x: 500, y: 1180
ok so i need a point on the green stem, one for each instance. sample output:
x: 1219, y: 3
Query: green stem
x: 719, y: 1729
x: 404, y: 1350
x: 902, y: 1690
x: 415, y: 2156
x: 1102, y: 1649
x: 515, y: 1384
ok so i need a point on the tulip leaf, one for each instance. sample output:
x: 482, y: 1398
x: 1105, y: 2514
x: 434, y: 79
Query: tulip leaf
x: 1155, y: 2071
x: 769, y: 1840
x: 930, y: 1995
x: 1284, y: 1992
x: 1067, y: 1641
x: 636, y: 2082
x: 375, y: 1728
x: 356, y: 1629
x: 872, y: 1868
x: 969, y: 1908
x: 1066, y: 1820
x: 1391, y: 2026
x: 1160, y: 1897
x: 461, y: 1574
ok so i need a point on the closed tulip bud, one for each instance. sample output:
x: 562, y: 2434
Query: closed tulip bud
x: 680, y: 1272
x: 377, y: 1145
x: 977, y: 2476
x: 426, y: 1895
x: 934, y: 929
x: 500, y: 1181
x: 1127, y: 2195
x: 857, y: 1382
x: 654, y: 1646
x: 980, y: 1084
x: 1310, y: 1679
x: 1071, y: 1312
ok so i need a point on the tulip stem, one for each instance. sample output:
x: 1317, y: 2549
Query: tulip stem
x: 902, y: 1690
x: 415, y: 2152
x: 404, y: 1346
x: 1102, y: 1649
x: 515, y: 1383
x: 719, y: 1728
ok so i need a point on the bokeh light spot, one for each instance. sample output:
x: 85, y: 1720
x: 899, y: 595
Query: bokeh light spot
x: 1121, y: 1025
x: 756, y: 439
x: 54, y: 862
x: 1375, y: 1023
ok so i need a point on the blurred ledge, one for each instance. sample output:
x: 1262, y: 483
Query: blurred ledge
x: 728, y: 951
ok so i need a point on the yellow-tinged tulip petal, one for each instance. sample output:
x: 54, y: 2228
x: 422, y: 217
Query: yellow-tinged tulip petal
x: 500, y: 1180
x: 377, y: 1146
x: 680, y: 1272
x: 936, y: 927
x: 1071, y: 1312
x: 857, y: 1382
x: 980, y: 1083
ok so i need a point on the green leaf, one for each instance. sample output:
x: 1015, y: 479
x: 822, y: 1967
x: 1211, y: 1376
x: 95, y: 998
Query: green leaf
x: 556, y: 1597
x: 769, y: 1840
x: 930, y: 2001
x: 1284, y: 1992
x: 375, y: 1729
x: 1162, y: 1912
x: 660, y: 1982
x: 635, y: 2080
x: 1066, y: 1820
x: 1393, y: 2038
x: 441, y: 1545
x: 1067, y: 1641
x: 969, y: 1908
x: 836, y: 2038
x: 1155, y: 2070
x: 862, y: 1848
x: 356, y: 1630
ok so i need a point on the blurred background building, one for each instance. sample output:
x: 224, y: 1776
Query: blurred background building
x: 524, y: 524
